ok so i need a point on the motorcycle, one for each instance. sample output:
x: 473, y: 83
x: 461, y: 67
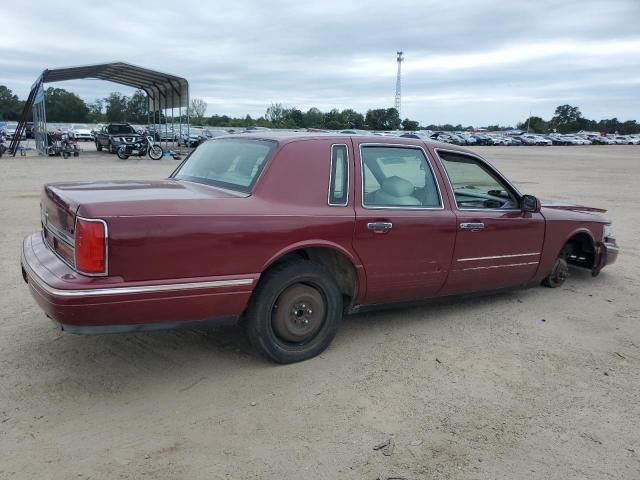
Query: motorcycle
x: 140, y: 149
x: 68, y: 146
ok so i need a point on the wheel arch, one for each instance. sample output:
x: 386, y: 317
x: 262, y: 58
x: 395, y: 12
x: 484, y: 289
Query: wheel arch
x: 583, y: 248
x: 343, y: 265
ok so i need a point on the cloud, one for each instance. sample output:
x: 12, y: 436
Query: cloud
x: 466, y: 62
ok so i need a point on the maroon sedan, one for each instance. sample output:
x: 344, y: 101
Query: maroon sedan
x: 289, y: 232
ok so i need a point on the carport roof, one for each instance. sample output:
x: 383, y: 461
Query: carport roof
x: 164, y: 90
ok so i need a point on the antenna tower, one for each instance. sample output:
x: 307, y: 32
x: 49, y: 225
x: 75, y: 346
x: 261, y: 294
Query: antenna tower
x: 400, y: 59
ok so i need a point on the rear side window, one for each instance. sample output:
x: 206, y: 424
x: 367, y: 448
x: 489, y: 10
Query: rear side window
x: 397, y: 177
x: 229, y: 163
x: 339, y: 176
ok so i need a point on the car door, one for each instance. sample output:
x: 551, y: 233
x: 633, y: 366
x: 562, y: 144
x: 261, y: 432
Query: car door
x: 404, y: 230
x: 497, y: 244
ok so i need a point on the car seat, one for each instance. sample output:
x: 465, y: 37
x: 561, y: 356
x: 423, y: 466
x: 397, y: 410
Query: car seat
x: 395, y: 191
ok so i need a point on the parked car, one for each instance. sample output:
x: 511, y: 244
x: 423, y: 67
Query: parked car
x: 82, y: 132
x: 113, y: 135
x: 289, y: 232
x: 191, y: 137
x: 10, y: 131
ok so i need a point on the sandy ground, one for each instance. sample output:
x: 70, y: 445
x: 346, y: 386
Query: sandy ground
x: 531, y: 384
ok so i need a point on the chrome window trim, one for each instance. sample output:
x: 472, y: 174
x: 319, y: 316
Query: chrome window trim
x: 129, y: 290
x: 400, y: 207
x: 346, y: 203
x: 106, y: 247
x: 492, y: 168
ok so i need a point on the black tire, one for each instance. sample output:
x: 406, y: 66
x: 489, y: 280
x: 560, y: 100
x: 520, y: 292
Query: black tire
x: 65, y: 155
x: 156, y: 152
x: 559, y: 273
x: 112, y: 148
x: 290, y: 335
x: 121, y: 154
x: 98, y: 146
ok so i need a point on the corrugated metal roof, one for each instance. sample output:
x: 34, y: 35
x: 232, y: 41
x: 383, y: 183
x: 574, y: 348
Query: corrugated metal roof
x: 164, y: 90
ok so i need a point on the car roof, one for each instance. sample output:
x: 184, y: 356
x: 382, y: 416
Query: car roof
x: 288, y: 137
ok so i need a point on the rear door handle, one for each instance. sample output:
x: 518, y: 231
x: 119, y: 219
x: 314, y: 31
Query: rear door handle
x: 473, y: 226
x: 380, y: 227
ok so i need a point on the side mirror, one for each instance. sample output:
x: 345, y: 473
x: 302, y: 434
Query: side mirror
x: 529, y: 203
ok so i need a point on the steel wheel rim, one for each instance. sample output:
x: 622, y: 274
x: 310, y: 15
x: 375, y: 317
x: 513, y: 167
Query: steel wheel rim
x: 298, y: 314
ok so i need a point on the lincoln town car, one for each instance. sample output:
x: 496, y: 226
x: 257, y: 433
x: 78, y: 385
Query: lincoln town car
x: 286, y: 233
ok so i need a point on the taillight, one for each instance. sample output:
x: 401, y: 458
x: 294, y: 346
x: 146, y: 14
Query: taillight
x: 91, y: 246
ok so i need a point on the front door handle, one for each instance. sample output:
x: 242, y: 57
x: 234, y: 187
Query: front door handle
x: 380, y: 227
x: 473, y: 226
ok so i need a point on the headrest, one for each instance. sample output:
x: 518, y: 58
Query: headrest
x: 398, y: 187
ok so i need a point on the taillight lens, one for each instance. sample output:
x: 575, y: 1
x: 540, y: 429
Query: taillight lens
x: 91, y: 246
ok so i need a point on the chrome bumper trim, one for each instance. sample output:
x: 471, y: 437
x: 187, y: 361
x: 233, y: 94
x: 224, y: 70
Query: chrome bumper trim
x: 93, y: 292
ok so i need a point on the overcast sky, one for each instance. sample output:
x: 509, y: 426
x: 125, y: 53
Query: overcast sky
x: 469, y: 62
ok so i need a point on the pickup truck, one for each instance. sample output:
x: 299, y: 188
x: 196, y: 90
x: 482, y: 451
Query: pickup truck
x: 113, y: 135
x: 286, y: 233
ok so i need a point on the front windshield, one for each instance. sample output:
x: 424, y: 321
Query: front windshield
x: 229, y: 163
x: 121, y: 129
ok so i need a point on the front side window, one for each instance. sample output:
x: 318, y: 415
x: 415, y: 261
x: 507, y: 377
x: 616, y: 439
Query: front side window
x: 229, y: 163
x: 338, y: 176
x: 474, y: 185
x: 397, y: 177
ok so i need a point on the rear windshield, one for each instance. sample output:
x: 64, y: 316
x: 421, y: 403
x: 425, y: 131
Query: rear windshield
x: 232, y: 163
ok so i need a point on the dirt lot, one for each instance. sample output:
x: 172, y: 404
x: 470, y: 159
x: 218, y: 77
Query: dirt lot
x: 531, y: 384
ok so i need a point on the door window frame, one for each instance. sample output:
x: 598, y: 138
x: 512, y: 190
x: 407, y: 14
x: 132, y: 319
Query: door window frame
x: 398, y: 207
x: 488, y: 167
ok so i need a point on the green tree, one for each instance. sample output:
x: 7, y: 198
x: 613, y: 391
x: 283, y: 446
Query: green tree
x: 352, y: 119
x: 96, y: 111
x: 383, y: 119
x: 137, y: 108
x: 566, y: 118
x: 410, y: 125
x: 534, y: 124
x: 64, y: 106
x: 296, y: 117
x: 275, y: 113
x: 116, y: 107
x: 197, y: 110
x: 314, y: 118
x: 10, y: 105
x: 333, y: 120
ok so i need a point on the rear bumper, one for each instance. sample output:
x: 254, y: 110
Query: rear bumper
x: 109, y: 304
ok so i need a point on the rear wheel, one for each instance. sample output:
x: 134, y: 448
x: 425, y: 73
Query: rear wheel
x: 294, y: 313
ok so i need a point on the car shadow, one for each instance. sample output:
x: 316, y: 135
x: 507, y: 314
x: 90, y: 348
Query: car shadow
x: 181, y: 358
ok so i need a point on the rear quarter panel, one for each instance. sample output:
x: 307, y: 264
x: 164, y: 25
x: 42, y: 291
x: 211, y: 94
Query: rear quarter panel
x: 227, y: 236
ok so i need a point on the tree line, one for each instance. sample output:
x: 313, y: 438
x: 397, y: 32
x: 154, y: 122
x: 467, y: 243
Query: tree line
x: 67, y: 107
x: 568, y: 118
